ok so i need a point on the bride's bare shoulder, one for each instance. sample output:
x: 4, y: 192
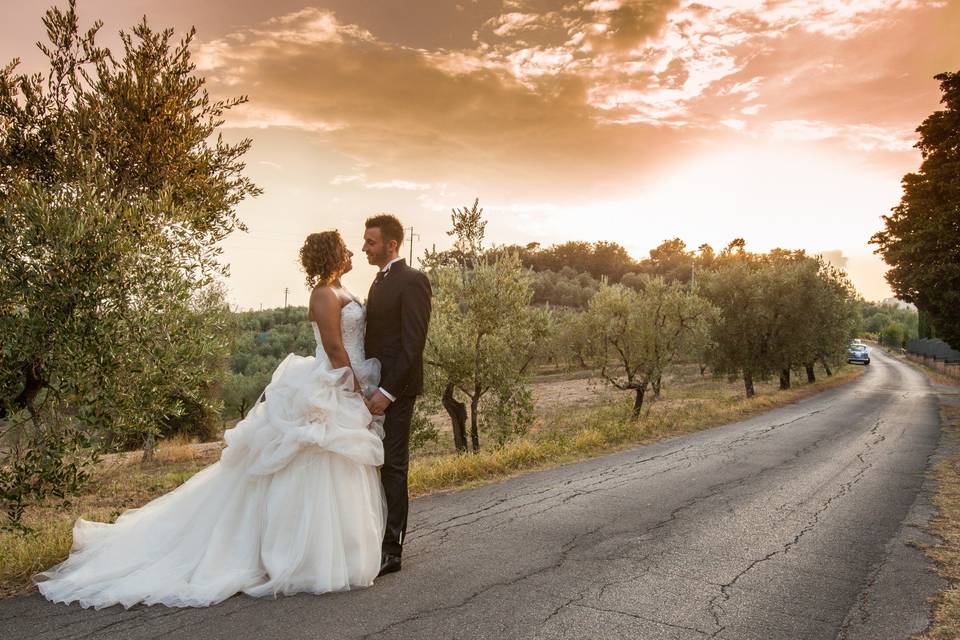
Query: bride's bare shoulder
x: 324, y: 300
x: 323, y: 291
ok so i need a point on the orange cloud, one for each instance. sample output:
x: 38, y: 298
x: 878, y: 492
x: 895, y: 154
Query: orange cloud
x: 443, y: 112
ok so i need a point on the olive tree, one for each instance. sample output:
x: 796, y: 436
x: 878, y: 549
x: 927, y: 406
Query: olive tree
x: 788, y: 283
x: 778, y: 312
x: 638, y: 333
x: 114, y: 196
x: 738, y: 333
x: 484, y: 335
x: 832, y: 317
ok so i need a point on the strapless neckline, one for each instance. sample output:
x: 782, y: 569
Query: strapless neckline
x: 356, y: 302
x: 352, y: 301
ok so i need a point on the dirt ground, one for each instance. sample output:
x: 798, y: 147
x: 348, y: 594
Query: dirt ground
x: 550, y: 394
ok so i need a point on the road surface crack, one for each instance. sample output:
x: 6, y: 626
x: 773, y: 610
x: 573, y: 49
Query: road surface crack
x: 645, y: 619
x: 716, y: 602
x: 427, y: 613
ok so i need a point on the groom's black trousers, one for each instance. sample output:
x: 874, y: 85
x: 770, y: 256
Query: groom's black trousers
x: 393, y: 473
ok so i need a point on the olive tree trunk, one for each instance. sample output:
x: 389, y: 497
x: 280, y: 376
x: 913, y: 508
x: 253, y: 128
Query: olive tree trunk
x: 638, y: 400
x: 785, y: 378
x: 826, y: 367
x: 148, y: 448
x: 458, y: 418
x: 474, y: 432
x: 748, y: 384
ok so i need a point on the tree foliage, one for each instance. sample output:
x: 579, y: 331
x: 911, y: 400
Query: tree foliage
x: 778, y: 312
x: 893, y: 334
x: 564, y: 288
x: 733, y: 287
x: 113, y: 200
x: 484, y: 335
x: 637, y: 334
x: 600, y: 260
x: 921, y: 236
x: 875, y: 316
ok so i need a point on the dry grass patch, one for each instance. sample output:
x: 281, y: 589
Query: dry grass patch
x: 176, y: 449
x: 935, y: 375
x: 575, y: 433
x: 946, y: 525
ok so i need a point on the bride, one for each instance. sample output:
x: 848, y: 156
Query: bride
x: 294, y: 504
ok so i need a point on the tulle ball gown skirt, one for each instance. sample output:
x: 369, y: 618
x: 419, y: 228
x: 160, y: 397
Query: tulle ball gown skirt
x: 294, y: 505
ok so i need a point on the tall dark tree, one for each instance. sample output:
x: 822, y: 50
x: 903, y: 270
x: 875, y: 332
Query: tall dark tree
x: 921, y: 236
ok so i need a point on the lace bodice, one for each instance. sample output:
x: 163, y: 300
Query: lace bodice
x: 352, y: 324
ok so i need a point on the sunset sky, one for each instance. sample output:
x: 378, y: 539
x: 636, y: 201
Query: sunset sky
x: 786, y: 122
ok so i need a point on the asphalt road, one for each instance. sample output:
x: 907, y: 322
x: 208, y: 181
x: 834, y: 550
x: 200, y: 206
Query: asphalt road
x: 791, y: 525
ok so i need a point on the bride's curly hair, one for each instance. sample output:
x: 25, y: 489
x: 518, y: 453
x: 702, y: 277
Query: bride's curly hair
x: 324, y: 257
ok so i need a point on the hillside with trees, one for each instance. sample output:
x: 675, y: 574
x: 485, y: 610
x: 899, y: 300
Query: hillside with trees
x: 502, y: 314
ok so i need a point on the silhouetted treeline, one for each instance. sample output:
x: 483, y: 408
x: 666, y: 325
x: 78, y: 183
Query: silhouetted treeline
x: 671, y: 260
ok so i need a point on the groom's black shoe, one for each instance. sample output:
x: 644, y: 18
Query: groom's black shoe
x: 388, y: 564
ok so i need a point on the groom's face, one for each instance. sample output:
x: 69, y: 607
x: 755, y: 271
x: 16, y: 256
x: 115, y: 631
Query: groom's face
x: 378, y: 252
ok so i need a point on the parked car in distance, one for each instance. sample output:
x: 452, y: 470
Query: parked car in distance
x: 858, y: 352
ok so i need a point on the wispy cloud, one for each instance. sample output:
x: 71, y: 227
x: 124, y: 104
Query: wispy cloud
x: 861, y: 137
x: 403, y: 185
x: 620, y: 78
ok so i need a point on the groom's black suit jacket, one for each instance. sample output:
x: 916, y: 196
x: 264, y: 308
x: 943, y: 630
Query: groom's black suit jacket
x: 398, y: 314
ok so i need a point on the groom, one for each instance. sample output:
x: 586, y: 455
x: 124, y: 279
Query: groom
x: 398, y: 313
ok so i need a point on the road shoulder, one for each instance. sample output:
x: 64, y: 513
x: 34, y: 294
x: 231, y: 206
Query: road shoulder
x: 933, y: 530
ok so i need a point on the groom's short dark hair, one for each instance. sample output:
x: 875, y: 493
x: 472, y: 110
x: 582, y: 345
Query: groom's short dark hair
x: 390, y: 227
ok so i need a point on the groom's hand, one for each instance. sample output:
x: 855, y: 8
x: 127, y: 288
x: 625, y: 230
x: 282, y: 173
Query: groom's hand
x: 378, y: 403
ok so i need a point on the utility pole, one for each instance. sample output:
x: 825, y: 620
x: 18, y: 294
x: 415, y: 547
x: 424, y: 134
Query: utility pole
x: 412, y: 234
x: 286, y: 291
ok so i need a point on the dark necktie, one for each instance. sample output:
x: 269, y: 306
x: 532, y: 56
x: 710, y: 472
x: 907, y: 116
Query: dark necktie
x: 379, y: 278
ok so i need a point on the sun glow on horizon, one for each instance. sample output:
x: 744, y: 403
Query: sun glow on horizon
x: 788, y: 124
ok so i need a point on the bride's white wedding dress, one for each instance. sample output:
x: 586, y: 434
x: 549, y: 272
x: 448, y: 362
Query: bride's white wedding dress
x: 294, y: 504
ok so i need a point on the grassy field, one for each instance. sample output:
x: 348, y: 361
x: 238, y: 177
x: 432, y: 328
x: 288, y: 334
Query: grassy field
x: 563, y: 432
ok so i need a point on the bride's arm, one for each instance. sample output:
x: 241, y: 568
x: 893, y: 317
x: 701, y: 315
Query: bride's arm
x: 325, y: 307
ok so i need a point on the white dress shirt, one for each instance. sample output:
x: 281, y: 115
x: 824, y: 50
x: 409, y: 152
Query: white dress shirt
x: 387, y: 266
